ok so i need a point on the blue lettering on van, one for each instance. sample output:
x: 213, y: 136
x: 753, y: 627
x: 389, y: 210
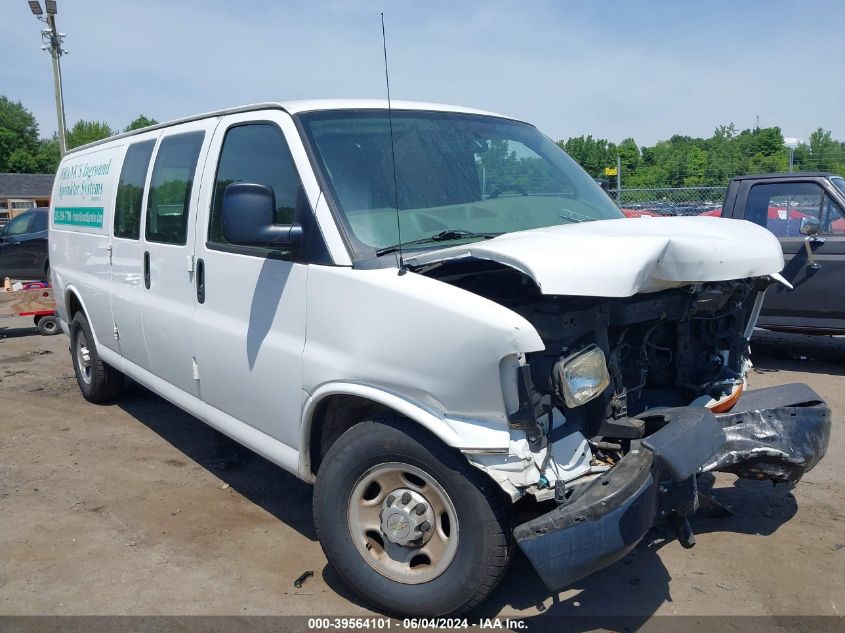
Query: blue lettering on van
x: 79, y: 216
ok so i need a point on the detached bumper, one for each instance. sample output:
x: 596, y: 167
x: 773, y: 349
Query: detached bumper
x: 778, y: 433
x: 607, y: 518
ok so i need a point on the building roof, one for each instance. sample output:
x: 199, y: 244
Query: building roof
x: 309, y: 105
x: 26, y: 185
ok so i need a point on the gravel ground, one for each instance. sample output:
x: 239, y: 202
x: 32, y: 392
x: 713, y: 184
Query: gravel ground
x: 138, y: 508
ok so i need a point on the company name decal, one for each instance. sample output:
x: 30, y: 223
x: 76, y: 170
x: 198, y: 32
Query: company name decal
x: 85, y: 180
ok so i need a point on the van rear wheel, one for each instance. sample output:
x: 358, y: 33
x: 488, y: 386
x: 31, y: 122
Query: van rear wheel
x: 408, y: 523
x: 97, y: 381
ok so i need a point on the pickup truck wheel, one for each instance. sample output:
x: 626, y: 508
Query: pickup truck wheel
x: 408, y: 523
x: 97, y: 381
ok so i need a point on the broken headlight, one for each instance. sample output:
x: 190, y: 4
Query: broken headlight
x: 583, y: 376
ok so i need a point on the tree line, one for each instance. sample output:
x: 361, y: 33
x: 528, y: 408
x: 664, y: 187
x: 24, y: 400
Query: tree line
x: 686, y: 161
x: 22, y: 150
x: 680, y: 161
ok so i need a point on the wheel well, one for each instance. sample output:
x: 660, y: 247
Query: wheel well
x: 73, y: 306
x: 334, y: 416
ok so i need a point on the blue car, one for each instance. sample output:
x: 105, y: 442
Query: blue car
x: 23, y: 246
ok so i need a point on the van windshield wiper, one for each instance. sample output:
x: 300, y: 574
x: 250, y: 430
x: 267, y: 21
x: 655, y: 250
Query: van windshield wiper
x: 446, y: 235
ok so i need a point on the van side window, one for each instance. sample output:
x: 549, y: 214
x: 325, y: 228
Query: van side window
x: 255, y: 153
x: 130, y: 190
x: 170, y: 189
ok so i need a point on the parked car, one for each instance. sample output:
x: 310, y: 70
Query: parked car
x: 430, y: 312
x: 639, y: 213
x: 23, y: 246
x: 805, y: 212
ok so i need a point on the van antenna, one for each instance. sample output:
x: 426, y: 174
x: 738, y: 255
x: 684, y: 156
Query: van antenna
x: 402, y: 269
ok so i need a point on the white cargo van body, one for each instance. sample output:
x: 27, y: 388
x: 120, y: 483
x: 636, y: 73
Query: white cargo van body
x: 513, y: 340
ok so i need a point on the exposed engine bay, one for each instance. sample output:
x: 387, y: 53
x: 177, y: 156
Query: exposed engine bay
x: 673, y: 348
x: 662, y: 349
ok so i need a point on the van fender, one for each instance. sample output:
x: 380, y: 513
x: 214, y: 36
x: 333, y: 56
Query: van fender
x: 459, y: 433
x: 69, y: 290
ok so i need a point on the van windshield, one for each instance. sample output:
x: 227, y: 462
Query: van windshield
x: 461, y: 177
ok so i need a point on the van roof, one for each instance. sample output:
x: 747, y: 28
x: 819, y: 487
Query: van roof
x: 305, y: 105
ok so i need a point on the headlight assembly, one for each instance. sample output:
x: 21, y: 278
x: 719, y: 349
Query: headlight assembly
x: 582, y: 376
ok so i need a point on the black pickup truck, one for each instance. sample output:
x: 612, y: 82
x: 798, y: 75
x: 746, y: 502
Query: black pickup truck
x: 806, y: 211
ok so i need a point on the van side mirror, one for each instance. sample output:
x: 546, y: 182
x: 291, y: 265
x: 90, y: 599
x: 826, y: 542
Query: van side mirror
x: 809, y: 226
x: 248, y: 213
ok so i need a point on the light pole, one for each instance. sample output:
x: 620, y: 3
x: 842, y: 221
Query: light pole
x: 52, y: 41
x: 792, y: 143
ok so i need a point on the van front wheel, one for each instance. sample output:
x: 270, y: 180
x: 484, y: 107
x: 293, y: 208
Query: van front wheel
x: 408, y: 523
x: 97, y: 381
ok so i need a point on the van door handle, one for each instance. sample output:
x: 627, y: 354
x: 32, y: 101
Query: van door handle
x: 200, y: 281
x: 147, y: 269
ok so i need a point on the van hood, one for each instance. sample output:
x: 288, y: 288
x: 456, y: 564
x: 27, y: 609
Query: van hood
x: 623, y: 257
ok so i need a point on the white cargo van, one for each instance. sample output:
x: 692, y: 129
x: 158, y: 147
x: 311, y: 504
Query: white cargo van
x: 434, y: 314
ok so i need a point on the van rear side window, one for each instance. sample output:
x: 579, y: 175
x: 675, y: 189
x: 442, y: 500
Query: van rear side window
x: 130, y: 190
x: 170, y: 189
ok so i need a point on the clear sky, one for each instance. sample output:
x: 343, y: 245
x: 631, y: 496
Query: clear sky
x: 647, y: 69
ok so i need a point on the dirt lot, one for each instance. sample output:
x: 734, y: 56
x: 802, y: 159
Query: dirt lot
x: 138, y: 508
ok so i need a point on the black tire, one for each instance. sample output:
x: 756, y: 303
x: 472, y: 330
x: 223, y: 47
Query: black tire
x: 101, y: 382
x: 47, y: 325
x: 484, y: 541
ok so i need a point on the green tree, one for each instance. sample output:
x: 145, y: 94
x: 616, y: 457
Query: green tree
x: 629, y: 155
x: 48, y: 155
x: 592, y: 154
x: 84, y: 132
x: 141, y: 122
x: 825, y: 153
x: 696, y: 167
x: 18, y: 136
x: 723, y: 157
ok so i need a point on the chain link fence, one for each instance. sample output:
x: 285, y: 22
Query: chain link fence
x: 670, y: 200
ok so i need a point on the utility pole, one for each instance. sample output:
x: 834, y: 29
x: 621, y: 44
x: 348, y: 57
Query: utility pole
x: 792, y: 143
x: 618, y: 180
x: 52, y: 42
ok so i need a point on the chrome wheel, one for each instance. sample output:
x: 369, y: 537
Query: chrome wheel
x: 403, y: 523
x: 83, y: 357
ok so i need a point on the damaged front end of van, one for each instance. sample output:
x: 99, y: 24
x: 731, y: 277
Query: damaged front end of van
x: 642, y: 384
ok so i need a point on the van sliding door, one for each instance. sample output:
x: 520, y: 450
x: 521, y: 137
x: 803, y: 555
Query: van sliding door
x: 168, y: 249
x: 127, y: 286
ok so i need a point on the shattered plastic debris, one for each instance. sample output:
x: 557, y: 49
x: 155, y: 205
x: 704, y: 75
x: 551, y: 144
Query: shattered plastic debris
x: 302, y: 578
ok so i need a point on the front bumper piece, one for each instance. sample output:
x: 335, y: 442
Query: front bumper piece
x: 777, y: 433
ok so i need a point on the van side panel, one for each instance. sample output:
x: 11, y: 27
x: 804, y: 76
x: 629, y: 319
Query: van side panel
x: 81, y: 211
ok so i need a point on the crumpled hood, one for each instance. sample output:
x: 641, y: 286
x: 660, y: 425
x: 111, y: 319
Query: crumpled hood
x: 620, y: 258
